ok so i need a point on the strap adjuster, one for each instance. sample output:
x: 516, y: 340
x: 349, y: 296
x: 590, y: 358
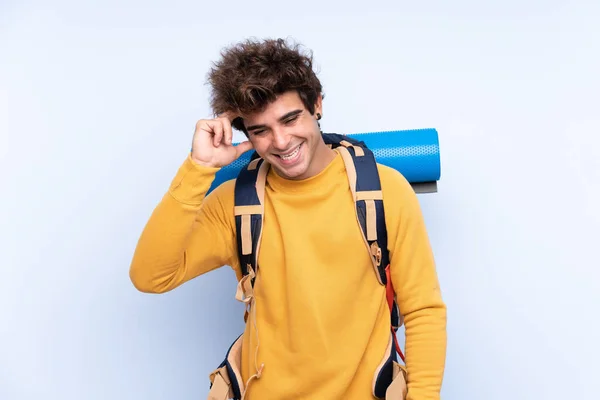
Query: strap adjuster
x: 376, y: 252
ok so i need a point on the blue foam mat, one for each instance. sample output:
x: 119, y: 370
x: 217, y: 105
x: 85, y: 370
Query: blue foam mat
x: 414, y: 153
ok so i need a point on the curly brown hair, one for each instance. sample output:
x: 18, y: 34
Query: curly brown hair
x: 252, y: 73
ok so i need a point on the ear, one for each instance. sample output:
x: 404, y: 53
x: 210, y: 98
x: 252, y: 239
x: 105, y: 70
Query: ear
x: 319, y: 105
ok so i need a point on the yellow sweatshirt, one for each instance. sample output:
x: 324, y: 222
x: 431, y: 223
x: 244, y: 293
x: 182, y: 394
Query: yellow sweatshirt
x: 321, y: 316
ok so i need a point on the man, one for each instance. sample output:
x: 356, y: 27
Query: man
x: 319, y: 323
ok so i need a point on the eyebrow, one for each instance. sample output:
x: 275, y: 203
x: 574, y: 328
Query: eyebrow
x: 281, y: 119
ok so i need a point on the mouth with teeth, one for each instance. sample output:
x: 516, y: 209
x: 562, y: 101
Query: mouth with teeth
x: 290, y: 157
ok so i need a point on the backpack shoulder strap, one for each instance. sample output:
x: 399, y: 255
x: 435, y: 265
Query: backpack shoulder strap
x: 249, y: 212
x: 363, y: 178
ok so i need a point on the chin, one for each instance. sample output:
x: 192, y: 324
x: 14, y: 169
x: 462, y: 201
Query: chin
x: 293, y: 173
x: 294, y: 169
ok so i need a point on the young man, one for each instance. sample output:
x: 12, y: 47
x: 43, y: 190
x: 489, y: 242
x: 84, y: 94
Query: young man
x: 318, y: 325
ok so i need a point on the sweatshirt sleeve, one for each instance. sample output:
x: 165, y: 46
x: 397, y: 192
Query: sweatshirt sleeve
x: 187, y: 234
x: 418, y: 293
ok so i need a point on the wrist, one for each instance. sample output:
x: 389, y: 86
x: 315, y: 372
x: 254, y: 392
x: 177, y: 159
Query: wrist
x: 192, y: 182
x: 201, y: 163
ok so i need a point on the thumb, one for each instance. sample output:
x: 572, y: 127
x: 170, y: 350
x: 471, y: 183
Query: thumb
x: 243, y: 147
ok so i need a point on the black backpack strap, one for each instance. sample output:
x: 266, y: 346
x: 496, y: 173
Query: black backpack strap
x: 363, y: 177
x: 365, y: 185
x: 249, y: 212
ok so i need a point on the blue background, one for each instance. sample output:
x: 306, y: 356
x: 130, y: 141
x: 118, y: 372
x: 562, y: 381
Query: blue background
x: 98, y: 102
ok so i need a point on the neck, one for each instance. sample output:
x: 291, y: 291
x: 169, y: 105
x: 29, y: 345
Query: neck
x: 324, y: 155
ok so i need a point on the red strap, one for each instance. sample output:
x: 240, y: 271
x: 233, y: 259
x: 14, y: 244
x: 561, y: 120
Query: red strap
x: 389, y: 292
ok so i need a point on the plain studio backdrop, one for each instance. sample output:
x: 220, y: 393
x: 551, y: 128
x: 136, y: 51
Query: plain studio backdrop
x: 97, y: 108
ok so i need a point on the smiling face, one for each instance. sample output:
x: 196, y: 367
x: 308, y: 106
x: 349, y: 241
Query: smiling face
x: 287, y: 136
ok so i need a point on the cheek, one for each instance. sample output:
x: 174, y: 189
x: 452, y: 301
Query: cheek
x: 261, y: 145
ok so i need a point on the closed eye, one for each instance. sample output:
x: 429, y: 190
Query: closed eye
x: 290, y: 120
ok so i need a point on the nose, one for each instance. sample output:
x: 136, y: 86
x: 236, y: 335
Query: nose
x: 281, y: 140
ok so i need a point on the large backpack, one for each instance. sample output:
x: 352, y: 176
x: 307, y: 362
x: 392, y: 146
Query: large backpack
x: 363, y: 178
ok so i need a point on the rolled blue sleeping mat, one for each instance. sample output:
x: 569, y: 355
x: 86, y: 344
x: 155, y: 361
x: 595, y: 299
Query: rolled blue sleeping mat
x: 414, y: 153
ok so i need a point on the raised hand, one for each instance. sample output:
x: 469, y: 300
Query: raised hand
x: 212, y: 142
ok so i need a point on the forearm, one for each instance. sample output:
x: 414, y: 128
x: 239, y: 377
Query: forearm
x: 414, y: 275
x: 159, y: 262
x: 174, y: 246
x: 420, y: 302
x: 425, y: 351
